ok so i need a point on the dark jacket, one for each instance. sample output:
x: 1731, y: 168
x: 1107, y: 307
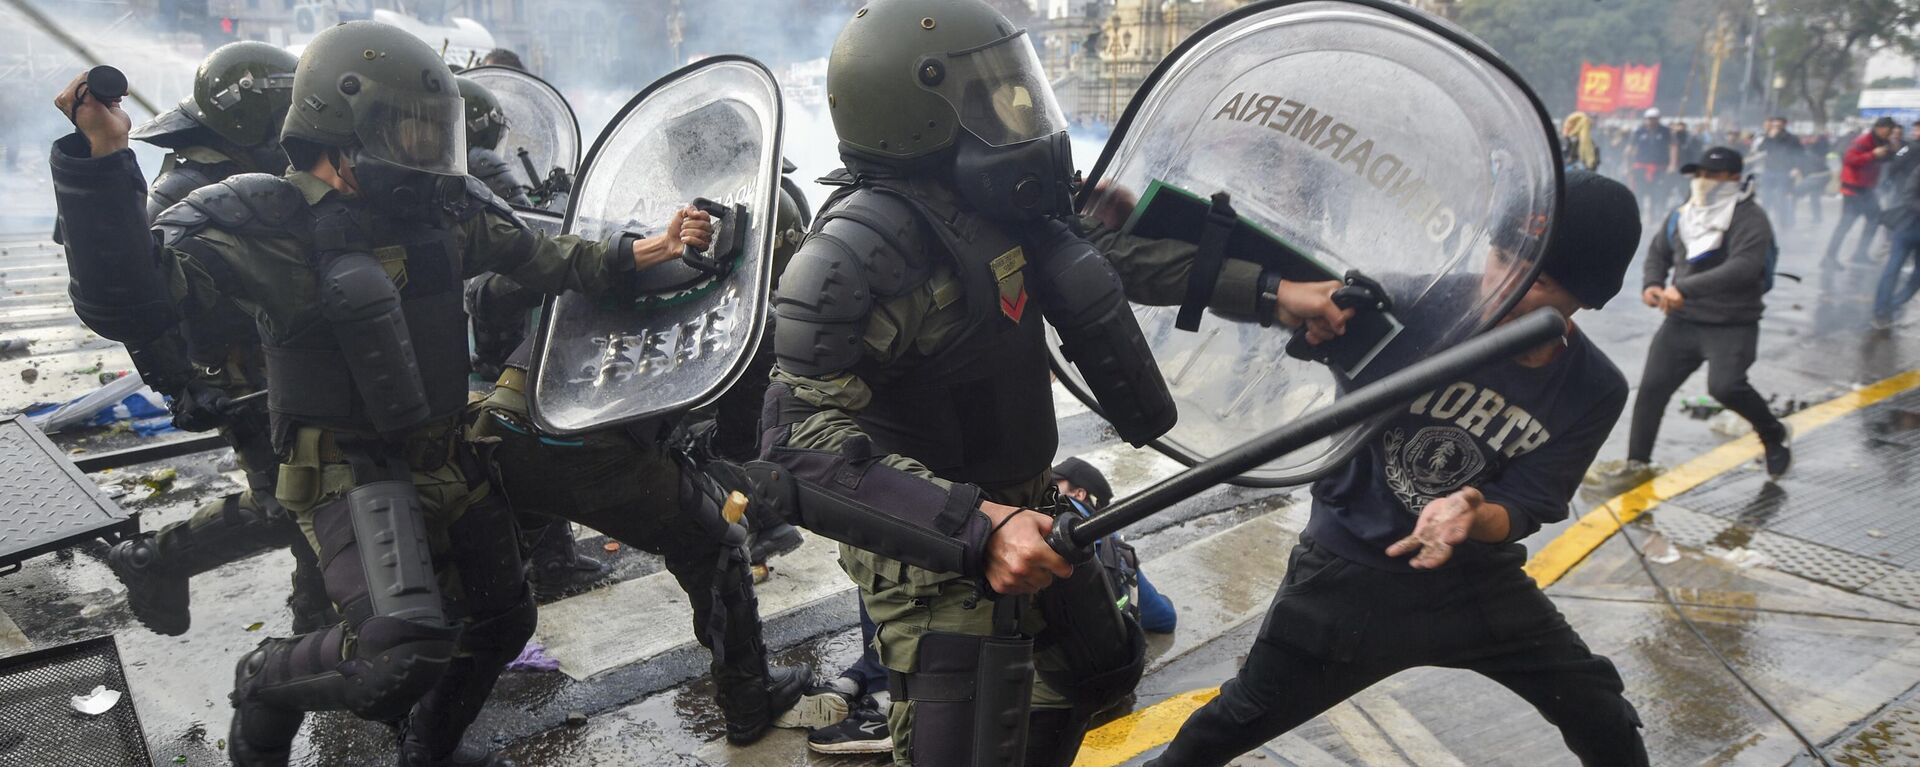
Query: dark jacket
x: 1778, y: 157
x: 1905, y: 208
x: 1724, y: 288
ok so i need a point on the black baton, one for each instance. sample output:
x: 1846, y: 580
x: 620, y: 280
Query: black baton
x: 1074, y: 539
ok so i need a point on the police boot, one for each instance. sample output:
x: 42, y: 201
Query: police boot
x: 415, y: 751
x: 774, y: 541
x: 554, y: 567
x: 751, y: 703
x: 156, y: 567
x: 157, y: 594
x: 261, y: 733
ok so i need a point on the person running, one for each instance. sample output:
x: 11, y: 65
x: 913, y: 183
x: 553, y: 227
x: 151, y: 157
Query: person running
x: 1411, y: 556
x: 1707, y: 269
x: 1903, y: 219
x: 1859, y: 176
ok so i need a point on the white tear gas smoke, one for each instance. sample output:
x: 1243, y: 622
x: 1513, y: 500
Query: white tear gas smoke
x: 34, y: 67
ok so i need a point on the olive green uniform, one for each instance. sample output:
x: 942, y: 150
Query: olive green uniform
x: 907, y: 602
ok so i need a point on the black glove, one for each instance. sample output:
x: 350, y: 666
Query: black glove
x: 201, y: 406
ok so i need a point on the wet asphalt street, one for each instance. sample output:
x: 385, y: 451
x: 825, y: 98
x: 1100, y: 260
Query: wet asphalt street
x: 1811, y: 587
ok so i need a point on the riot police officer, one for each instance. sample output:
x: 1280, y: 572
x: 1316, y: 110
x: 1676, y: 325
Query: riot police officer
x: 910, y: 412
x: 486, y: 128
x: 229, y: 125
x: 351, y: 267
x: 664, y: 496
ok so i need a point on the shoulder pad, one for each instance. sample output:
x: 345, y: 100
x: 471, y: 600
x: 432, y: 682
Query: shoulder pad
x: 250, y: 202
x: 821, y: 309
x: 180, y: 179
x: 480, y: 199
x: 883, y: 235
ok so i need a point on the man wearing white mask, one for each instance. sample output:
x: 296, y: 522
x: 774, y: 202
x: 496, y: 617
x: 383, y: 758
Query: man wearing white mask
x: 1708, y: 268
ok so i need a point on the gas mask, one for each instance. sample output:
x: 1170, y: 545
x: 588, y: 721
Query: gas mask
x: 1027, y: 181
x: 404, y: 194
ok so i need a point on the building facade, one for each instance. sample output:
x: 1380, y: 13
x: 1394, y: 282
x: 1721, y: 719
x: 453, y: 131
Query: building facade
x: 1098, y: 52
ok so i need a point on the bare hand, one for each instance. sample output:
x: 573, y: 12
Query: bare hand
x: 1311, y: 304
x: 1019, y: 561
x: 1671, y: 300
x: 689, y: 227
x: 1881, y: 151
x: 1444, y: 524
x: 104, y: 123
x: 1651, y: 296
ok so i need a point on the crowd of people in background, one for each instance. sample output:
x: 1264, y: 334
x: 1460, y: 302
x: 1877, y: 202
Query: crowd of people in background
x: 1714, y: 208
x: 1793, y: 176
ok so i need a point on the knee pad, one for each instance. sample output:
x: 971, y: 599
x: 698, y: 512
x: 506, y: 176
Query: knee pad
x: 971, y: 697
x: 393, y: 663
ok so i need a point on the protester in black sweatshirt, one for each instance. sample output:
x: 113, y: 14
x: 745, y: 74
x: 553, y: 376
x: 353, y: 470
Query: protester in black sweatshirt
x: 1410, y: 557
x: 1707, y: 269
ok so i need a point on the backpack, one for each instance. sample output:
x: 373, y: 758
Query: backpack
x: 1773, y: 251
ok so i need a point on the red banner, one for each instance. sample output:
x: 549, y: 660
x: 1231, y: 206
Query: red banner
x: 1599, y: 88
x: 1638, y: 87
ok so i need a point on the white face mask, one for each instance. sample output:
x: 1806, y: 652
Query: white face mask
x: 1705, y: 189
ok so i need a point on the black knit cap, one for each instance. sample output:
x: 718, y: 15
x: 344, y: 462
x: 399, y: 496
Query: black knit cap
x: 1082, y: 475
x: 1594, y: 238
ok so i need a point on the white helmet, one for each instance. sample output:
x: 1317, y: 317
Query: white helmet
x: 1652, y: 114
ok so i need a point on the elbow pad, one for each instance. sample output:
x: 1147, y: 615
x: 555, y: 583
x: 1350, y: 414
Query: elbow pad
x: 364, y: 309
x: 117, y: 285
x: 1082, y: 298
x: 872, y: 506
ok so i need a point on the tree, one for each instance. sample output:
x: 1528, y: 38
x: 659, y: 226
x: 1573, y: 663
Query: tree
x: 1545, y: 40
x: 1819, y: 44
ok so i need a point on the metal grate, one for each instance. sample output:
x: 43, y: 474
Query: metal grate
x: 38, y: 725
x: 46, y: 503
x: 1853, y: 487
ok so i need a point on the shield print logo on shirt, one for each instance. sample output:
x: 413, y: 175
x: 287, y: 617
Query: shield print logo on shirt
x: 1010, y: 272
x: 1440, y: 459
x: 1435, y: 461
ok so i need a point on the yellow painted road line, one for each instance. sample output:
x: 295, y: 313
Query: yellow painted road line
x: 1115, y: 742
x: 1596, y: 526
x: 1129, y: 736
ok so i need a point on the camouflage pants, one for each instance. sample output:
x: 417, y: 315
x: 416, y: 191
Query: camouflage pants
x: 907, y: 602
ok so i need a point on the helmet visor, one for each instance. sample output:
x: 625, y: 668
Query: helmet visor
x: 1000, y: 92
x: 423, y: 133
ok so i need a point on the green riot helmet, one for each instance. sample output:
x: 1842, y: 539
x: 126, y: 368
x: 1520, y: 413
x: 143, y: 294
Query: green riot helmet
x: 385, y: 101
x: 790, y: 221
x: 910, y: 79
x: 241, y: 92
x: 486, y: 124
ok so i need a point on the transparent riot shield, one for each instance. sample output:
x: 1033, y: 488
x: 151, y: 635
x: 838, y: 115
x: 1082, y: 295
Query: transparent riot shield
x: 1327, y: 140
x: 542, y: 132
x: 682, y: 332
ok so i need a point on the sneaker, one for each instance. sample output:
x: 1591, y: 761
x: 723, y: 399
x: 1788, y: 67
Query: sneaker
x: 818, y: 708
x: 1779, y: 452
x: 1622, y: 474
x: 1883, y: 323
x: 862, y: 732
